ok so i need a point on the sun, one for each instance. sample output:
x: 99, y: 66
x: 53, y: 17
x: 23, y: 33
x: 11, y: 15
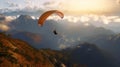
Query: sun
x: 87, y: 6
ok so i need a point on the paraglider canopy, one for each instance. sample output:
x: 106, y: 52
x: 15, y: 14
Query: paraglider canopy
x: 45, y: 15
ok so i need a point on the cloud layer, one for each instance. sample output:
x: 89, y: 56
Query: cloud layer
x: 4, y: 22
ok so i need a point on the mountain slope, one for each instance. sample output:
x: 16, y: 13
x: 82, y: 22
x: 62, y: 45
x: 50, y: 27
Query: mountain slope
x: 15, y: 52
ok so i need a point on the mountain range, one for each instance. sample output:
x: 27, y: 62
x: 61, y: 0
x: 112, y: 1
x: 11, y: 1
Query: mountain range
x: 16, y: 52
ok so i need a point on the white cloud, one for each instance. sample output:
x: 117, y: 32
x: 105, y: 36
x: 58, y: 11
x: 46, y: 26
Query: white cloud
x: 86, y: 24
x: 88, y: 19
x: 94, y: 17
x: 117, y: 20
x: 13, y: 6
x: 84, y: 19
x: 109, y: 19
x: 105, y: 20
x: 54, y: 17
x: 4, y: 27
x: 33, y: 17
x: 4, y: 23
x: 50, y: 3
x: 7, y: 19
x: 31, y: 5
x: 72, y: 19
x: 10, y: 18
x: 26, y: 6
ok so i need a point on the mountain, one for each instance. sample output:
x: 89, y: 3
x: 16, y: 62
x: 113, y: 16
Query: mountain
x: 31, y: 38
x: 88, y: 55
x: 17, y: 53
x: 112, y: 45
x: 23, y: 23
x: 115, y: 47
x: 2, y: 17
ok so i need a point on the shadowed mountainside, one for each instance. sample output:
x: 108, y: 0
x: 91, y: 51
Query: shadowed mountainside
x: 89, y: 55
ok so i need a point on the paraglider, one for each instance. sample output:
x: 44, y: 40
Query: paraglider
x: 45, y: 15
x: 55, y: 32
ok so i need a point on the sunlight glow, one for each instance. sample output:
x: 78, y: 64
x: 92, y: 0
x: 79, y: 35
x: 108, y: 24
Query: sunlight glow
x: 87, y: 6
x: 4, y: 27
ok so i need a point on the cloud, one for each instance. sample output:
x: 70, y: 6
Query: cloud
x: 6, y: 19
x: 31, y: 5
x: 62, y: 46
x: 72, y: 19
x: 117, y: 20
x: 33, y: 17
x: 118, y: 2
x: 4, y: 27
x: 25, y: 6
x: 86, y: 24
x: 4, y: 22
x: 110, y: 19
x: 13, y: 6
x: 10, y: 18
x: 49, y: 3
x: 84, y: 19
x: 87, y: 20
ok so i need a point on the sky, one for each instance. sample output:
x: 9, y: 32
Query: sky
x: 105, y: 13
x: 68, y: 6
x: 4, y: 3
x: 20, y: 4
